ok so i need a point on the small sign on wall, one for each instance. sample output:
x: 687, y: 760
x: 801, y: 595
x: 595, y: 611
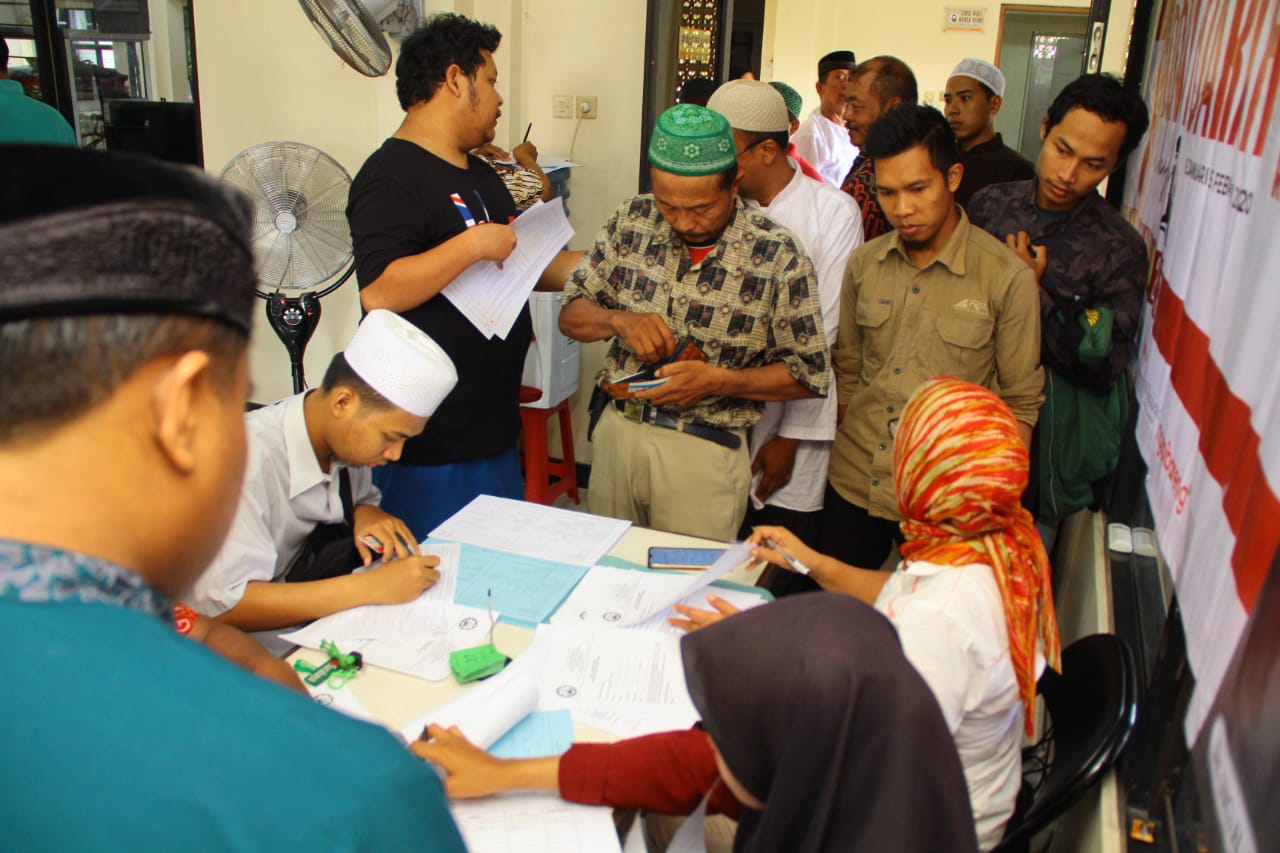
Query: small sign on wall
x: 972, y: 20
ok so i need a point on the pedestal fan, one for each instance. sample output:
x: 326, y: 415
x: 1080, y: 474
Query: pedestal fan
x: 300, y: 236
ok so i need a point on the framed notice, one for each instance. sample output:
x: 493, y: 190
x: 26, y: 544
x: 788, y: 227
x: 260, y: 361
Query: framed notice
x: 972, y: 20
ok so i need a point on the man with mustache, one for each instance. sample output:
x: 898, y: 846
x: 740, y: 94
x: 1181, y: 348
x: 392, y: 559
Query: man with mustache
x: 935, y: 296
x: 691, y: 271
x: 1091, y: 266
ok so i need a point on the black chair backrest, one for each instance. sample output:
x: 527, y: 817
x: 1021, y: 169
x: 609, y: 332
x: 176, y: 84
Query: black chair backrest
x: 1092, y: 707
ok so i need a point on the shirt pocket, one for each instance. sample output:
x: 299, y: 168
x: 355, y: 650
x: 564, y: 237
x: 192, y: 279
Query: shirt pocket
x: 967, y: 350
x: 871, y: 315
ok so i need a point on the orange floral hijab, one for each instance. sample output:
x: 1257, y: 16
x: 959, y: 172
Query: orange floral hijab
x: 960, y: 469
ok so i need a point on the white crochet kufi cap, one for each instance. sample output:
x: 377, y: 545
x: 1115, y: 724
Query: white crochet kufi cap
x: 982, y: 71
x: 751, y: 105
x: 400, y: 362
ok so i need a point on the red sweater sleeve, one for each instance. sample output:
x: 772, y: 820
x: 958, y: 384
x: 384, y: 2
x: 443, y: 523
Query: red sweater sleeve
x: 668, y: 773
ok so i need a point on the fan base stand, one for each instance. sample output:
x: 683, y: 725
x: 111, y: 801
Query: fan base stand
x: 294, y: 319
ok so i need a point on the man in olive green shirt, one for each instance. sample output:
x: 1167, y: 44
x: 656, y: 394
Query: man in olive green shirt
x: 935, y: 296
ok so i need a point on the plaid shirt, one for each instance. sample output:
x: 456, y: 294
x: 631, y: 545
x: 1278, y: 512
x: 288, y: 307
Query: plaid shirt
x: 751, y: 302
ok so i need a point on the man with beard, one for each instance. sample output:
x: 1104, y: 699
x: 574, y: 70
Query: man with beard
x: 935, y: 296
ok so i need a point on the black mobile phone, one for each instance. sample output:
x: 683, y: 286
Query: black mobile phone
x: 683, y: 558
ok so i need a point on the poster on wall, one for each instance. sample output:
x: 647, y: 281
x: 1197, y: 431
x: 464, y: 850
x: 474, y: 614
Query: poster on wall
x: 1204, y: 191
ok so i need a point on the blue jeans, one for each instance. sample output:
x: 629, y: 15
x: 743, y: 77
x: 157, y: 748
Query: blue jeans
x: 423, y: 496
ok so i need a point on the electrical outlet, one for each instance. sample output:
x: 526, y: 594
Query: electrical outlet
x: 585, y: 106
x: 562, y: 106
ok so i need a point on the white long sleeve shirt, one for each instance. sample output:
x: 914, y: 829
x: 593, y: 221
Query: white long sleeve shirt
x: 827, y: 147
x: 828, y: 226
x: 285, y: 495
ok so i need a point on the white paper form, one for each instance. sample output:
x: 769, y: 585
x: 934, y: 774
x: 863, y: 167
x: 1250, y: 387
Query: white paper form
x: 614, y: 597
x: 519, y: 527
x: 425, y: 616
x: 610, y: 669
x: 492, y: 297
x: 534, y: 823
x: 487, y: 710
x: 656, y: 615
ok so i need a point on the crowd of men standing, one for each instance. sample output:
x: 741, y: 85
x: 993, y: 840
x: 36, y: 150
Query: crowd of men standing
x: 970, y: 261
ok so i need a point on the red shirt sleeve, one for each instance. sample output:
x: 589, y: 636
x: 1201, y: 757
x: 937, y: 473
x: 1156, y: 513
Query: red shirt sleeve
x: 668, y: 773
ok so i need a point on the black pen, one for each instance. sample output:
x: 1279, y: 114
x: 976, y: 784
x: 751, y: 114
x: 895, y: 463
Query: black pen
x: 526, y: 133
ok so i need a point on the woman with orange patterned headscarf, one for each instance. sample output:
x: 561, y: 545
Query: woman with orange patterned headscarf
x: 971, y: 599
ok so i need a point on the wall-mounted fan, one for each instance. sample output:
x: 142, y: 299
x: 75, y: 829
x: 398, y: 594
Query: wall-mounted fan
x: 301, y: 240
x: 354, y: 28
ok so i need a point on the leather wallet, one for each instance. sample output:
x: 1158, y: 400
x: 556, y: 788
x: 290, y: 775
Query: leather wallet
x: 686, y: 350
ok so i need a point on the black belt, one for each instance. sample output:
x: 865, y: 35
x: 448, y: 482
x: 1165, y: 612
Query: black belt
x: 646, y: 413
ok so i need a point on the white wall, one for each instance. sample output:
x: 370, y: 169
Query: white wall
x: 265, y: 74
x: 798, y: 32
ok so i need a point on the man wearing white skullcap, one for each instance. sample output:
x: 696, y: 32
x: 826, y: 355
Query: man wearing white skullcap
x: 791, y: 443
x: 308, y: 510
x: 974, y: 95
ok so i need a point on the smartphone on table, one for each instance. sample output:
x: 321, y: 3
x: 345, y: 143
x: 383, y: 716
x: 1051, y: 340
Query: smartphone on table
x: 683, y: 558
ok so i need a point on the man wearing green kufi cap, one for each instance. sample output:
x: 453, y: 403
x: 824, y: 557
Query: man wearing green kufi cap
x: 713, y: 310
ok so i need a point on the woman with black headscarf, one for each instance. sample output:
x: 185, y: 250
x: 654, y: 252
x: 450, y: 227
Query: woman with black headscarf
x: 828, y: 742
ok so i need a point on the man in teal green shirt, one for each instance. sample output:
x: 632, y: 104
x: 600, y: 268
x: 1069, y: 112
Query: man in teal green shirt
x: 126, y: 292
x: 25, y: 119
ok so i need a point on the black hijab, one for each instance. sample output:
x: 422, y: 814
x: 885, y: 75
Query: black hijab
x: 819, y: 715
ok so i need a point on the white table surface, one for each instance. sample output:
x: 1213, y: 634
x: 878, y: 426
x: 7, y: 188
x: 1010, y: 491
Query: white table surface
x: 395, y: 698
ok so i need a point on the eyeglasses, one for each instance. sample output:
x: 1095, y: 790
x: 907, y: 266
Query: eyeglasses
x: 753, y: 145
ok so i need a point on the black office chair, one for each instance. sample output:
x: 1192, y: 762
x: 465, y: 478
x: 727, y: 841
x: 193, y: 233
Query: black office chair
x: 1092, y: 706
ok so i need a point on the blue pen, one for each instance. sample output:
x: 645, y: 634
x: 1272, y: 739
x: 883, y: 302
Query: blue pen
x: 795, y: 564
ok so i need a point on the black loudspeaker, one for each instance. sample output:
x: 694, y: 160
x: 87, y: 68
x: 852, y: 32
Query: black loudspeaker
x: 163, y: 129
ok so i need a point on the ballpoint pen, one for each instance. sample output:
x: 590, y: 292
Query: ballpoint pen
x: 795, y: 564
x: 526, y: 132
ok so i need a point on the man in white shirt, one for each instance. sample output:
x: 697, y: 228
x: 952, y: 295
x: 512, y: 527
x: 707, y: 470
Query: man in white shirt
x: 374, y: 396
x: 823, y: 139
x: 791, y: 444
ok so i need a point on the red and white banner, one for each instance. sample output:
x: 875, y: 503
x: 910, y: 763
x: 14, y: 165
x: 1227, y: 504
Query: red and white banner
x: 1204, y: 190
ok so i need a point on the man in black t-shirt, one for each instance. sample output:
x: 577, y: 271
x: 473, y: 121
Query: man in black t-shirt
x: 974, y: 95
x: 421, y: 211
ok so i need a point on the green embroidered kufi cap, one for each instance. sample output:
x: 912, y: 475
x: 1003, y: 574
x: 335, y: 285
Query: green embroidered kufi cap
x: 691, y: 140
x: 793, y: 100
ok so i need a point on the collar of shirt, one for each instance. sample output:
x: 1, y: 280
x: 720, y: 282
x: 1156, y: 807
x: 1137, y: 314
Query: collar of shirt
x: 37, y: 574
x: 1026, y: 200
x: 784, y: 193
x: 952, y: 255
x: 995, y: 143
x: 663, y: 232
x: 304, y: 468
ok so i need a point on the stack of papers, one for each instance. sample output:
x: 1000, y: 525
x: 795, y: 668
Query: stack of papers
x: 415, y: 637
x: 533, y: 530
x: 492, y: 297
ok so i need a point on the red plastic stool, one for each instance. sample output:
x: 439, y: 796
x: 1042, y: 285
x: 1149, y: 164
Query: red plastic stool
x: 538, y: 468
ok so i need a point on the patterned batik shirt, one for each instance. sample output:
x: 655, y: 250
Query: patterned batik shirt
x: 751, y: 302
x: 861, y: 184
x: 1095, y: 258
x: 38, y: 574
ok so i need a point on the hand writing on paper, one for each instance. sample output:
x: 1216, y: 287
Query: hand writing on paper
x: 687, y: 383
x: 396, y: 537
x: 775, y: 458
x: 647, y: 335
x: 695, y: 618
x: 401, y: 580
x: 491, y: 241
x: 1036, y: 257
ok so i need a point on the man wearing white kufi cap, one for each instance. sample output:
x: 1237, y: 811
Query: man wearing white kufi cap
x: 974, y: 95
x: 791, y: 443
x: 309, y: 511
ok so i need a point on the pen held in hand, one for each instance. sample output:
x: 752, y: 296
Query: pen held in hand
x: 796, y: 565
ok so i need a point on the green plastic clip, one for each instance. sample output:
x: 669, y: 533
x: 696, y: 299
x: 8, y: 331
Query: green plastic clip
x: 477, y: 662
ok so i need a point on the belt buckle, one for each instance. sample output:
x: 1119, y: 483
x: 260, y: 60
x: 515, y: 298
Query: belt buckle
x: 633, y: 409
